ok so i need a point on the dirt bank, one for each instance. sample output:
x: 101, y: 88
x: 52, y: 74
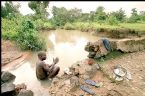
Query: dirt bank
x: 11, y: 54
x: 133, y: 62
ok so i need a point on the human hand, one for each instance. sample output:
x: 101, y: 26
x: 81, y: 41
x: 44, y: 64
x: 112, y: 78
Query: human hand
x: 56, y: 60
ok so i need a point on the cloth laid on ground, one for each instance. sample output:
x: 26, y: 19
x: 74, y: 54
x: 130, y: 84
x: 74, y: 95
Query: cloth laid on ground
x: 93, y: 83
x: 87, y: 89
x: 106, y: 43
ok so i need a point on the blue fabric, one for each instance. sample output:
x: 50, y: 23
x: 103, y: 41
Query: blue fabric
x: 90, y: 82
x: 107, y: 44
x: 86, y: 89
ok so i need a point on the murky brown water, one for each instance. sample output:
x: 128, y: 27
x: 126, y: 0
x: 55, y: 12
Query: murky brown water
x: 67, y: 45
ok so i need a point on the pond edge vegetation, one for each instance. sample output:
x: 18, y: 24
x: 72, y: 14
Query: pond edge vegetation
x: 24, y: 30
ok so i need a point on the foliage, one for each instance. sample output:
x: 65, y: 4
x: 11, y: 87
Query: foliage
x: 48, y: 26
x: 135, y: 26
x: 27, y: 37
x: 134, y: 17
x: 9, y: 10
x: 61, y: 15
x: 23, y: 29
x: 112, y: 55
x: 23, y: 33
x: 119, y: 15
x: 100, y: 15
x: 69, y: 26
x: 112, y: 20
x: 9, y: 29
x: 142, y: 15
x: 41, y: 24
x: 39, y: 7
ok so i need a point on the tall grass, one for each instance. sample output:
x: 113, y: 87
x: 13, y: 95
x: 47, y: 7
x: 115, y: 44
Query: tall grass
x: 138, y: 28
x: 46, y: 25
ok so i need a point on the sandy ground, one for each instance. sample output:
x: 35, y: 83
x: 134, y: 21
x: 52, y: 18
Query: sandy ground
x: 133, y: 62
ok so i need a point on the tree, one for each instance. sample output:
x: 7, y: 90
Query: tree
x: 74, y: 14
x: 134, y: 11
x: 10, y: 10
x: 119, y: 15
x: 142, y: 15
x: 40, y: 9
x: 100, y: 15
x: 61, y: 15
x: 92, y: 15
x: 134, y: 17
x: 85, y: 17
x: 112, y: 20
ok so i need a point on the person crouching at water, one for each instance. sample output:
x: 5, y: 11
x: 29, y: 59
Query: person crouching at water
x: 44, y: 70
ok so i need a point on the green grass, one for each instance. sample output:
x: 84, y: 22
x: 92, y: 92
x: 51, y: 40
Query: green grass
x: 135, y: 26
x: 94, y: 25
x: 111, y: 55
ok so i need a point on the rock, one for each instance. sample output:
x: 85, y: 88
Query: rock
x: 76, y: 72
x: 86, y: 76
x: 98, y: 66
x: 7, y: 89
x: 113, y: 44
x: 7, y: 76
x: 98, y: 48
x: 90, y: 61
x: 91, y: 70
x: 81, y: 71
x: 19, y: 87
x: 131, y: 45
x: 92, y: 54
x: 55, y: 80
x: 24, y: 92
x: 102, y: 50
x: 97, y: 56
x: 89, y: 47
x: 74, y: 82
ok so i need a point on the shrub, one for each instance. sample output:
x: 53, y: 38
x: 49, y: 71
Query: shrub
x: 48, y: 26
x: 69, y: 26
x: 9, y: 29
x: 82, y: 26
x: 38, y: 24
x: 112, y: 20
x: 27, y: 37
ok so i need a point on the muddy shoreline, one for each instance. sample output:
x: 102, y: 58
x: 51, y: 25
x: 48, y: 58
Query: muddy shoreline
x: 134, y: 62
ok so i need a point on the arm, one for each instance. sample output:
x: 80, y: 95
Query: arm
x: 46, y: 67
x: 55, y: 61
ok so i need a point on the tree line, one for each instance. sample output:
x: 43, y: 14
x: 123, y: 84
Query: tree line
x: 62, y: 15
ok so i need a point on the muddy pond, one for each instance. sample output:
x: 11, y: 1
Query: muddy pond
x: 67, y: 45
